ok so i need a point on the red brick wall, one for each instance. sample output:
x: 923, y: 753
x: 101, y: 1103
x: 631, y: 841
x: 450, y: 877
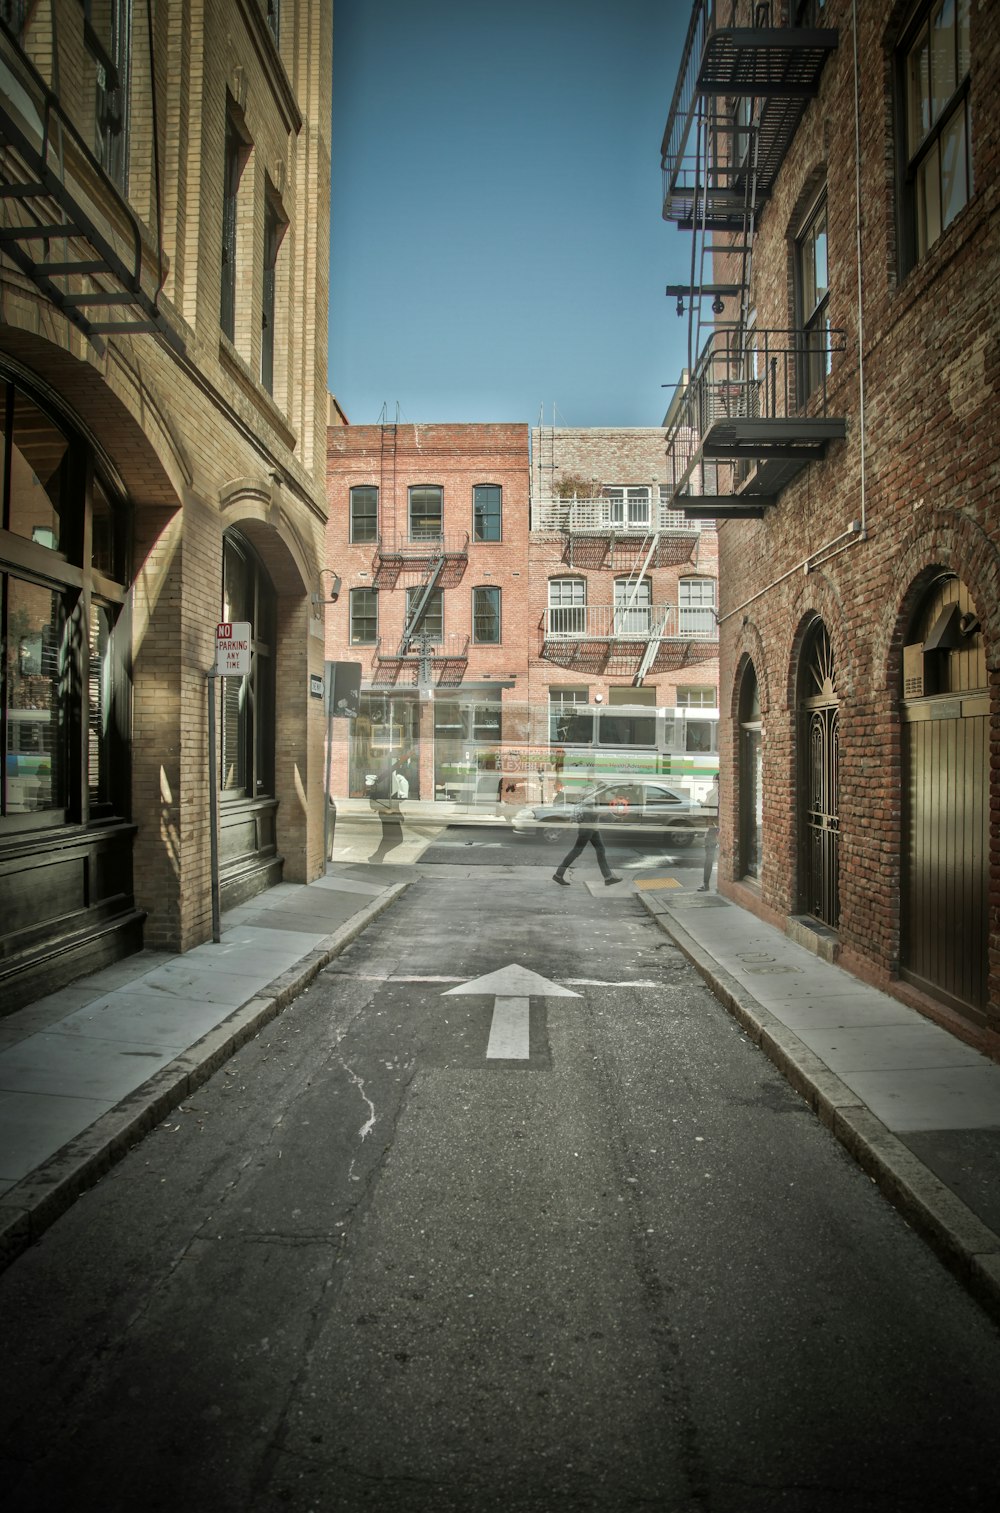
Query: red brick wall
x: 931, y: 365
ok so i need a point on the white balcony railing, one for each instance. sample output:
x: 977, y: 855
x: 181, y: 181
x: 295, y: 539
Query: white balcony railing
x: 608, y: 516
x: 643, y: 622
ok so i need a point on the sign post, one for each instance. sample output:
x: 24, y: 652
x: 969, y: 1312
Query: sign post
x: 233, y: 645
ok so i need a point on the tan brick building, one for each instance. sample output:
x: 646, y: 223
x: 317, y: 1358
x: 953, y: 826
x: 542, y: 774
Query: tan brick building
x: 163, y: 332
x: 845, y: 418
x: 489, y: 588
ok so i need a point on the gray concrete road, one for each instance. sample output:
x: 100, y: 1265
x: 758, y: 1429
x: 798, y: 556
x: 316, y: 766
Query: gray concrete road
x: 370, y: 1266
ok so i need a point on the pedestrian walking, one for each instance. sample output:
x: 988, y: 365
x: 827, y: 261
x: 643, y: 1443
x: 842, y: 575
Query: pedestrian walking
x: 711, y: 836
x: 587, y: 834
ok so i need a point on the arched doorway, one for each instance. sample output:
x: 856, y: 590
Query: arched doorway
x: 751, y: 814
x: 946, y: 764
x: 819, y: 726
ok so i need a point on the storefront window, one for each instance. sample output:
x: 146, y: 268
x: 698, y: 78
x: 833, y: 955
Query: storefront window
x: 63, y: 709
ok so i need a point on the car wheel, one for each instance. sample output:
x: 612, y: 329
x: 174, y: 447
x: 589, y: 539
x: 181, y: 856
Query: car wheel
x: 553, y: 833
x: 680, y: 838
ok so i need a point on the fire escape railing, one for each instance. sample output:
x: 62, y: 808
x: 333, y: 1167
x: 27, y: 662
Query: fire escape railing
x: 752, y: 416
x: 53, y: 190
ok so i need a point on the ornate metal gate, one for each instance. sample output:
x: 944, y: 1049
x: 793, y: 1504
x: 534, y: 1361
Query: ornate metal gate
x: 820, y: 724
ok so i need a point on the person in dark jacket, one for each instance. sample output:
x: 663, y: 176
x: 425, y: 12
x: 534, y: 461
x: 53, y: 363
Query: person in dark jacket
x: 587, y: 834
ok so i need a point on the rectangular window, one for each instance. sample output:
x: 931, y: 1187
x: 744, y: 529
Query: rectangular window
x: 275, y: 226
x: 107, y: 27
x: 697, y: 698
x: 696, y: 607
x: 633, y: 606
x: 364, y: 513
x: 567, y: 606
x: 814, y: 300
x: 272, y: 9
x: 236, y: 153
x: 486, y: 616
x: 364, y: 616
x: 426, y: 512
x: 486, y: 501
x: 935, y: 126
x: 570, y: 721
x: 432, y: 618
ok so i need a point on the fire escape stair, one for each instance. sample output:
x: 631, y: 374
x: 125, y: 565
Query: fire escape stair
x: 54, y: 190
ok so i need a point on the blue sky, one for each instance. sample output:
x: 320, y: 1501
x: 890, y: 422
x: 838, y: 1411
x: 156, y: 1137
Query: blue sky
x: 497, y: 243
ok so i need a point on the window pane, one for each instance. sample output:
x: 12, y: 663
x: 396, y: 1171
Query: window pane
x: 918, y: 90
x: 39, y: 470
x: 954, y: 157
x: 943, y: 77
x: 364, y: 616
x: 425, y: 513
x: 486, y: 512
x: 364, y: 514
x: 567, y: 591
x: 486, y: 615
x: 964, y: 51
x: 928, y: 202
x: 623, y: 730
x: 34, y: 694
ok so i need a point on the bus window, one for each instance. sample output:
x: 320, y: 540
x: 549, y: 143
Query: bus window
x: 570, y: 729
x: 699, y: 735
x: 626, y: 730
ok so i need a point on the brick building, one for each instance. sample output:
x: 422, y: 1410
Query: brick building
x: 163, y: 296
x: 486, y: 587
x: 840, y: 423
x: 623, y: 589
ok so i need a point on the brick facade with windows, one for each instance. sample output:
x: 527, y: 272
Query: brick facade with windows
x: 602, y: 543
x: 860, y: 614
x: 200, y: 445
x: 456, y: 534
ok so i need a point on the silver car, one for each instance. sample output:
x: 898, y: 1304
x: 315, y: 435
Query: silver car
x: 637, y: 809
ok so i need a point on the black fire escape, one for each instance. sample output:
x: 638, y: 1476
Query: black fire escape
x: 751, y: 410
x: 65, y: 223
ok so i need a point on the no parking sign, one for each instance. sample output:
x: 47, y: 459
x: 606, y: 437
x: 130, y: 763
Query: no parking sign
x: 232, y: 648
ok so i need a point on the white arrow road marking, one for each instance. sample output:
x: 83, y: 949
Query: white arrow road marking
x: 509, y: 1038
x: 512, y: 987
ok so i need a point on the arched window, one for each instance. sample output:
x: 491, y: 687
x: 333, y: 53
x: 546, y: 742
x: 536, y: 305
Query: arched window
x: 751, y: 815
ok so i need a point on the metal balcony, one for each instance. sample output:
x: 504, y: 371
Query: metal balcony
x: 449, y: 654
x: 65, y: 223
x: 607, y: 517
x: 745, y: 426
x: 420, y: 548
x: 728, y: 55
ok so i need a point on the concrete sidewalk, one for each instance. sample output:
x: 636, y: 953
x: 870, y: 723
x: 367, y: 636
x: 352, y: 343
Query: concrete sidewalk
x: 85, y: 1072
x: 918, y: 1109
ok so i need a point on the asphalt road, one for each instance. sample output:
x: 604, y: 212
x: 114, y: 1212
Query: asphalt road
x: 420, y: 841
x: 369, y: 1266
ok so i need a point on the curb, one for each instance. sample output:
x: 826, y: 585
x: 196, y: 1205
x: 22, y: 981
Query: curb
x: 41, y: 1197
x: 967, y: 1246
